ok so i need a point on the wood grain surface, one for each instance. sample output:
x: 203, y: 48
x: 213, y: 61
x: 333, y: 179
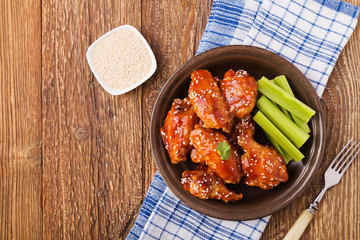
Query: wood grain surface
x: 75, y: 162
x: 20, y: 120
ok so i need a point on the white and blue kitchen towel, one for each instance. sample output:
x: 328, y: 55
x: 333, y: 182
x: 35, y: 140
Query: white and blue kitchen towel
x: 311, y: 35
x: 164, y: 216
x: 308, y: 33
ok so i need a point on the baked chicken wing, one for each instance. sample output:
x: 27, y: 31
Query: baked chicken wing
x: 205, y: 141
x: 209, y: 104
x: 263, y: 166
x: 204, y: 183
x: 175, y: 132
x: 240, y: 92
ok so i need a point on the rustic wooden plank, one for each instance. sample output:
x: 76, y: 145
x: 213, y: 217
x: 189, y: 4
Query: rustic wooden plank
x: 173, y: 29
x: 66, y: 122
x: 121, y: 134
x: 167, y: 26
x: 341, y: 204
x: 92, y: 140
x: 20, y: 120
x: 339, y: 214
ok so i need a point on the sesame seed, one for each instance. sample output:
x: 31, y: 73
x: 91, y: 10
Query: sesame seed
x: 116, y: 59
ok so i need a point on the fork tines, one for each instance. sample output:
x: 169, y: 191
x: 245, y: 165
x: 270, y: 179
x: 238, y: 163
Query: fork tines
x: 350, y: 152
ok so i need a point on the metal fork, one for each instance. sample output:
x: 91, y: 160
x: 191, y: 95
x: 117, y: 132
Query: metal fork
x: 332, y: 175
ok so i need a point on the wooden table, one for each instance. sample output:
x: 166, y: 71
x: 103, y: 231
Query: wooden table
x: 75, y: 162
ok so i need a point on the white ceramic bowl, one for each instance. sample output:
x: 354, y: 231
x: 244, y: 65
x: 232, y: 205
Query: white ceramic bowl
x: 96, y: 73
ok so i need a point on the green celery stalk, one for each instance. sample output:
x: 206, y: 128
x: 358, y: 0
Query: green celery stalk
x: 282, y: 82
x: 275, y: 133
x: 287, y: 157
x: 273, y: 142
x: 292, y: 131
x: 284, y: 99
x: 286, y: 112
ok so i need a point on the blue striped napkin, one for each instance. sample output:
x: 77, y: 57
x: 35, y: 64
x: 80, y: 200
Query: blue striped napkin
x: 311, y: 35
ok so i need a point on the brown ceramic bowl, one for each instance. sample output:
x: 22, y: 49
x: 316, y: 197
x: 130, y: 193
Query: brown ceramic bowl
x: 256, y: 202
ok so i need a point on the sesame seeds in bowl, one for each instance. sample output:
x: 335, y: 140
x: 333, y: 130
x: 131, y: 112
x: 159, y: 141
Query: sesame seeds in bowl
x: 121, y: 60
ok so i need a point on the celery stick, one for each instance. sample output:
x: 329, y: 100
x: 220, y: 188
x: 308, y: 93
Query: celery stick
x: 282, y: 82
x: 275, y: 133
x: 294, y: 133
x: 302, y: 124
x: 286, y: 112
x: 286, y: 156
x: 284, y: 99
x: 274, y: 143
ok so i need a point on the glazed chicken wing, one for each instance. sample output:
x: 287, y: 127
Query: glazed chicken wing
x: 263, y: 166
x: 209, y: 104
x: 175, y: 132
x: 240, y: 92
x: 205, y: 141
x: 195, y: 156
x: 204, y: 183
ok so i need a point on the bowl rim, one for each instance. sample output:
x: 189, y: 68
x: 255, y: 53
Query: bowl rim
x: 306, y: 180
